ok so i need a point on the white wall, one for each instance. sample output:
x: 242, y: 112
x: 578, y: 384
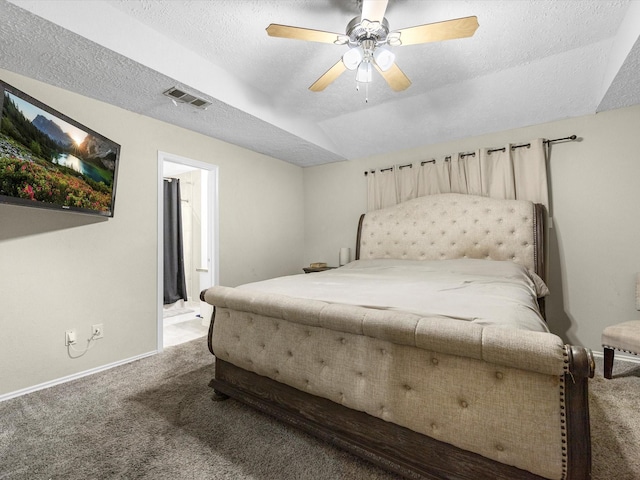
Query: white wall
x: 60, y: 270
x: 595, y: 199
x: 190, y: 194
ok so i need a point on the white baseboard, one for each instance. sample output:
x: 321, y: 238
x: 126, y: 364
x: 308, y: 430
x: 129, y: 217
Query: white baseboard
x: 74, y: 376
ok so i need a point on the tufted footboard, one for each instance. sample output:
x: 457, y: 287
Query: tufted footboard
x: 427, y: 398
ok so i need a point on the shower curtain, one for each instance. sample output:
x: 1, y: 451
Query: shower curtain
x: 175, y: 287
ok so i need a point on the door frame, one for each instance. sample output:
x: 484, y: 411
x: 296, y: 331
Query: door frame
x: 212, y: 228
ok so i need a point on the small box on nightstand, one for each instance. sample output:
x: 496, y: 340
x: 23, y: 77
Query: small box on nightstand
x: 317, y: 267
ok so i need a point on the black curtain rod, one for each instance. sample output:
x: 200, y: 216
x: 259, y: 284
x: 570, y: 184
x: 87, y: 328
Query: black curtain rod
x: 570, y: 138
x: 513, y: 147
x: 382, y: 170
x: 400, y: 167
x: 473, y: 154
x: 527, y: 145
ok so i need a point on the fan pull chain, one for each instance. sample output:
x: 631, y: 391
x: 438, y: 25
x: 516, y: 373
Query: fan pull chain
x: 366, y: 91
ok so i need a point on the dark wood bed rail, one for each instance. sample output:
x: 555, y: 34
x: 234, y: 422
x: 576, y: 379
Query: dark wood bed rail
x: 581, y: 368
x: 359, y: 236
x: 392, y: 447
x: 539, y: 238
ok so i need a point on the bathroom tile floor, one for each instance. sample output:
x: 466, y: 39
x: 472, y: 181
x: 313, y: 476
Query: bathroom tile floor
x: 183, y: 328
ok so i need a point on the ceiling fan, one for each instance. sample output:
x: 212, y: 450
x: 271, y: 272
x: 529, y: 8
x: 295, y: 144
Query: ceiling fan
x: 369, y: 38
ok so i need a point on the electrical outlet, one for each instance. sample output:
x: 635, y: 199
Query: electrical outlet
x: 97, y: 331
x: 70, y: 337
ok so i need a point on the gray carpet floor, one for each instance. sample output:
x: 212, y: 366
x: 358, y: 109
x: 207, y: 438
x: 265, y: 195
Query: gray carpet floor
x: 154, y: 419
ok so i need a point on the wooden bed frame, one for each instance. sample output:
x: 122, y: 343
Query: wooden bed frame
x: 396, y: 448
x: 401, y: 450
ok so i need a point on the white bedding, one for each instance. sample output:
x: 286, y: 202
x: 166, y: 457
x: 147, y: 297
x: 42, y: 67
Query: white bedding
x: 487, y: 292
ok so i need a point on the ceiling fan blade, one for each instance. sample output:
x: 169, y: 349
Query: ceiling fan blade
x: 328, y: 77
x: 373, y: 10
x: 435, y: 32
x: 297, y: 33
x: 395, y: 77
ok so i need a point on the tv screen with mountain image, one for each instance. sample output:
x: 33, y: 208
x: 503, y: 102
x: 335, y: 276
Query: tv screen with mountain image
x: 51, y: 161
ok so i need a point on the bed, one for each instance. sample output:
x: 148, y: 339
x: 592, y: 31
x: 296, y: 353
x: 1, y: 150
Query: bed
x: 428, y: 355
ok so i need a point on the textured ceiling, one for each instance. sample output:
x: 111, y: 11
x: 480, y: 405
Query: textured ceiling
x: 529, y: 62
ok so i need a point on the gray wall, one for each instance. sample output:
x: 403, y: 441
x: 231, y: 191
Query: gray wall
x: 61, y: 270
x: 595, y: 196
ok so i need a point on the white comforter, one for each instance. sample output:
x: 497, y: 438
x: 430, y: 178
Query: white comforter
x: 487, y: 292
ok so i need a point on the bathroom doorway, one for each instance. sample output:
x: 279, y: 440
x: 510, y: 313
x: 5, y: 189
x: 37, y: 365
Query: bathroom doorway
x: 188, y: 317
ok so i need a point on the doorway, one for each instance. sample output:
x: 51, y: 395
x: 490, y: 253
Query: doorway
x: 187, y: 319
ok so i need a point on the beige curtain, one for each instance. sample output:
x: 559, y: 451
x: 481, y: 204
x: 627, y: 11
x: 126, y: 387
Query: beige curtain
x: 530, y: 172
x: 458, y: 174
x: 433, y: 177
x: 510, y: 172
x: 496, y: 173
x: 382, y: 189
x: 406, y: 183
x: 474, y: 172
x: 465, y: 173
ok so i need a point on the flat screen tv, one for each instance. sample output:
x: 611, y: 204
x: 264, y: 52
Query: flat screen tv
x: 48, y: 160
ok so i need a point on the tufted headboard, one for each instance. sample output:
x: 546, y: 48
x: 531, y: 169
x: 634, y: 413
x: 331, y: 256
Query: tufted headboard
x: 452, y: 225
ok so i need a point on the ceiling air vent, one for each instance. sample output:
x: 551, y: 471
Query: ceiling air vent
x: 184, y: 97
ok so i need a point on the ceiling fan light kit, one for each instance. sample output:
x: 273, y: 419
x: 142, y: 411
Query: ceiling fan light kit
x: 368, y: 38
x: 384, y: 58
x: 364, y: 73
x: 353, y: 57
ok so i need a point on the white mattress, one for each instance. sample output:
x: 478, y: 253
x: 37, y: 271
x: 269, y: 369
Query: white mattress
x: 487, y: 292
